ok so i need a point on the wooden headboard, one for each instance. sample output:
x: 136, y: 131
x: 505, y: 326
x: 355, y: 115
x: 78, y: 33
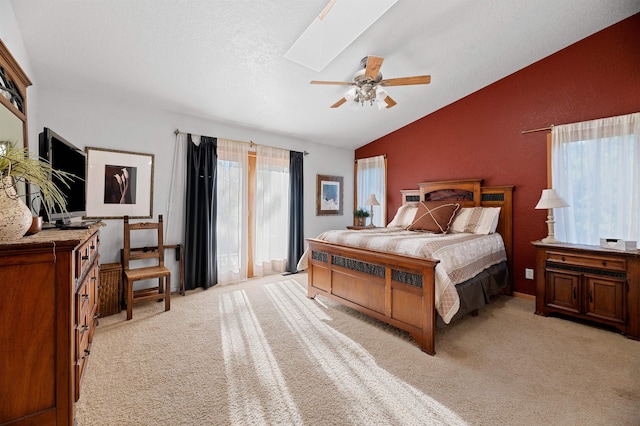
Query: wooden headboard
x: 471, y: 193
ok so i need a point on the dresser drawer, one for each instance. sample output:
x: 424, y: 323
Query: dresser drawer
x: 85, y: 255
x: 84, y: 297
x: 598, y: 262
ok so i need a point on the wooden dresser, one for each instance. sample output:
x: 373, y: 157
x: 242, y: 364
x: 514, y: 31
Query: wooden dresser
x: 591, y: 283
x: 48, y: 310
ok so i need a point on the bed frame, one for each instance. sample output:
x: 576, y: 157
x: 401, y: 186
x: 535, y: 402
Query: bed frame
x: 398, y: 289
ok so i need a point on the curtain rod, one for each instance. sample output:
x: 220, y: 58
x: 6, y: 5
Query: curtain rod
x: 542, y: 129
x: 356, y: 160
x: 251, y: 143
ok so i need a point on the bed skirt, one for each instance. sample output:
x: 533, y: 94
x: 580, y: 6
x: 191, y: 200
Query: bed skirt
x: 477, y: 292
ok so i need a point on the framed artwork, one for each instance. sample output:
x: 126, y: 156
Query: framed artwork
x: 328, y: 195
x: 119, y: 183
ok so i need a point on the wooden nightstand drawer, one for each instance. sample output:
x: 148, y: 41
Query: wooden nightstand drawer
x: 593, y: 261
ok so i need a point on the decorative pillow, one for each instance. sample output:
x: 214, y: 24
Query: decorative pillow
x: 476, y: 220
x: 434, y: 216
x: 404, y: 216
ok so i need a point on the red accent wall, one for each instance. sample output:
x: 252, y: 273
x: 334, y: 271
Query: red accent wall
x: 480, y: 135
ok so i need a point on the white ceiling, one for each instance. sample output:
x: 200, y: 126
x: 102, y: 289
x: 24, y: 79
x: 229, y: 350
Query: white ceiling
x: 223, y: 60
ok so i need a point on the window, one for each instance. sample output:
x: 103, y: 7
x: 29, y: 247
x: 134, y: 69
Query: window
x: 371, y: 178
x: 595, y: 169
x: 253, y: 211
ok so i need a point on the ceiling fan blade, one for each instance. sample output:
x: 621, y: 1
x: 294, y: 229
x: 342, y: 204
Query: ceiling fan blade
x: 340, y: 102
x: 406, y: 81
x: 390, y: 102
x: 373, y: 67
x: 326, y: 10
x: 342, y: 83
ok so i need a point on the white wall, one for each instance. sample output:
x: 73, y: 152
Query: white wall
x: 89, y: 121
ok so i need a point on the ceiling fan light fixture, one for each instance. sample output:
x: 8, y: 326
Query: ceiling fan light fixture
x: 351, y: 94
x: 381, y: 94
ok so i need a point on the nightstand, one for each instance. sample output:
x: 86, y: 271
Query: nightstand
x: 591, y: 283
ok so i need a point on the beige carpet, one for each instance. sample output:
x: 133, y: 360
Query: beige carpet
x: 260, y: 352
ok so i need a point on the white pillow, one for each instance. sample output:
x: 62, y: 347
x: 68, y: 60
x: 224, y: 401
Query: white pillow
x: 404, y: 216
x: 476, y: 220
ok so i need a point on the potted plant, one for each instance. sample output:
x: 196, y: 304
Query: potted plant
x: 361, y: 216
x: 19, y: 167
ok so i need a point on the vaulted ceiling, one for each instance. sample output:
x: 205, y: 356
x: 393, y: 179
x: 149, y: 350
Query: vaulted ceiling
x: 223, y: 60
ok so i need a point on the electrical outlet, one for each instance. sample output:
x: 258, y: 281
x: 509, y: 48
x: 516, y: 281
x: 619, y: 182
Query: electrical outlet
x: 528, y: 273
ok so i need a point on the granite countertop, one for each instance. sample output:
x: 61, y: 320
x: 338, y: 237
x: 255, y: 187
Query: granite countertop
x: 47, y: 236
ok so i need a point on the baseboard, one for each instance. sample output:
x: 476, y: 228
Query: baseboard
x: 526, y: 296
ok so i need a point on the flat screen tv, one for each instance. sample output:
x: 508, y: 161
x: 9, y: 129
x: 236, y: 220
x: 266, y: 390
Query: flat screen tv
x: 64, y: 156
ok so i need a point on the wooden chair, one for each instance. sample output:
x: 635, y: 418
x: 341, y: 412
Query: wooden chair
x: 146, y: 272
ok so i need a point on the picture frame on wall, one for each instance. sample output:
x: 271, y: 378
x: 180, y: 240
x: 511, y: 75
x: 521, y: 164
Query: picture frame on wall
x: 329, y: 195
x: 119, y: 183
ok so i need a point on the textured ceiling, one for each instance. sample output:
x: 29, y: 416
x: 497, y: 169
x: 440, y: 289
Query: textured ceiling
x: 223, y: 60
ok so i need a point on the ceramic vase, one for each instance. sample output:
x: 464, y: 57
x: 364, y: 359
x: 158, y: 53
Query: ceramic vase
x: 15, y: 216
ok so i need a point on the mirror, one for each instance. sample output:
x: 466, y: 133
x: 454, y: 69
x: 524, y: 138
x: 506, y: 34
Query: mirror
x: 11, y: 127
x: 13, y: 108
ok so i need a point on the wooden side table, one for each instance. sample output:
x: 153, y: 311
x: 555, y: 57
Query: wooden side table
x: 591, y: 283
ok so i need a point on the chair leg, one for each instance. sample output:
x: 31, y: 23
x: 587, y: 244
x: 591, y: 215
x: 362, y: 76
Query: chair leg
x: 167, y: 296
x: 129, y: 299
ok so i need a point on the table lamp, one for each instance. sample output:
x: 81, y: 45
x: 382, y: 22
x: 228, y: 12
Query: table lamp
x: 550, y: 200
x: 371, y: 201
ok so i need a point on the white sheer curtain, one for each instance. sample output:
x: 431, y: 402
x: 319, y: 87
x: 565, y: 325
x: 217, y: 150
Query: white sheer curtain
x: 372, y: 179
x: 232, y: 211
x: 595, y: 169
x: 271, y: 218
x: 174, y: 223
x: 175, y: 216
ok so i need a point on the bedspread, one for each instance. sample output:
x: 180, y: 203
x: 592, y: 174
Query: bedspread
x: 462, y: 256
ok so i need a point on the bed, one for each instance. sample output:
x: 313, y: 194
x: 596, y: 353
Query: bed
x: 407, y: 290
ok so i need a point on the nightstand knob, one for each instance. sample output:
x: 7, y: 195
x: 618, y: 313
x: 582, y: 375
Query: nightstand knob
x: 562, y: 258
x: 604, y: 263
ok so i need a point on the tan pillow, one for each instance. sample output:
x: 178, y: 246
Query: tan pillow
x: 404, y: 216
x: 476, y: 220
x: 434, y: 216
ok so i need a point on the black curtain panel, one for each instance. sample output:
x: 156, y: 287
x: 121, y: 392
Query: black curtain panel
x: 200, y: 227
x: 296, y: 211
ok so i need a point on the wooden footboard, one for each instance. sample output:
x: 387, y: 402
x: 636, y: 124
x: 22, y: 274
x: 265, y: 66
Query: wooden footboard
x: 399, y: 290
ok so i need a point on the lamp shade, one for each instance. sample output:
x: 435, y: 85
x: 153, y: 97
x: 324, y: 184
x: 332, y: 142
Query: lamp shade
x: 351, y: 94
x: 372, y: 201
x: 550, y: 200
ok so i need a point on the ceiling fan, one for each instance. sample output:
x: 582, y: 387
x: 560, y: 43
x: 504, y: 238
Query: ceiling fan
x: 368, y: 84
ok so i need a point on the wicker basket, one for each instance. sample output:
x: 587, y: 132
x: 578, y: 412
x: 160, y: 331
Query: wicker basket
x: 110, y: 293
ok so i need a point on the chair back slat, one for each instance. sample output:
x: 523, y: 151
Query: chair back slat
x: 148, y: 252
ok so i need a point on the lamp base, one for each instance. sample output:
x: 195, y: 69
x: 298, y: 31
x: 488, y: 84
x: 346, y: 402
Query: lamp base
x: 550, y: 240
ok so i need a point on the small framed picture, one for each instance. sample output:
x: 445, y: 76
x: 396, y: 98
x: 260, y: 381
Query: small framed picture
x: 329, y: 195
x: 119, y: 183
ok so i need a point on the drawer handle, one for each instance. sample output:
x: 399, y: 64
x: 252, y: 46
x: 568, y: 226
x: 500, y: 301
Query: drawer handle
x: 87, y: 353
x: 575, y: 295
x: 94, y: 278
x: 590, y: 296
x: 604, y: 263
x: 562, y: 258
x: 92, y: 247
x: 84, y: 328
x: 96, y: 315
x: 85, y: 257
x: 85, y: 297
